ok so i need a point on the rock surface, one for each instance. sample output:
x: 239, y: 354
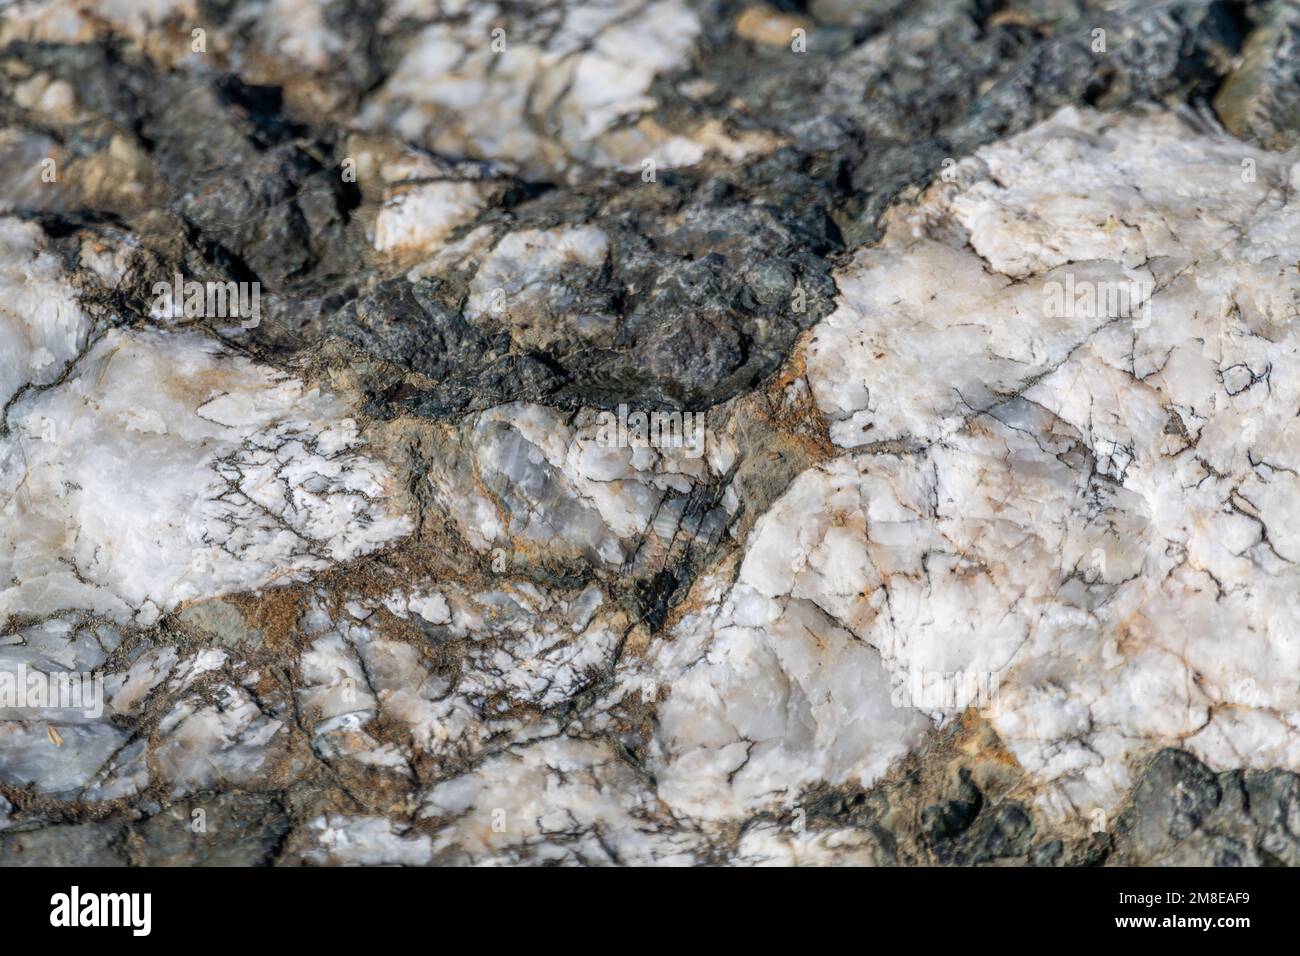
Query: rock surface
x: 649, y: 432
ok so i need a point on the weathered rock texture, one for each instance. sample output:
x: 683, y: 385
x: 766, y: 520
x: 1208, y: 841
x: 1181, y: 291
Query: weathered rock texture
x: 962, y: 530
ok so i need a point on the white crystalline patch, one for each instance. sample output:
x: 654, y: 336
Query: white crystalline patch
x: 498, y: 86
x: 519, y: 279
x: 366, y: 841
x: 766, y: 697
x: 30, y: 755
x: 196, y: 666
x: 952, y: 311
x: 432, y: 607
x: 561, y: 799
x: 74, y: 21
x: 420, y: 218
x: 334, y: 681
x: 773, y: 844
x: 545, y: 667
x: 232, y: 742
x: 296, y: 30
x: 558, y: 483
x: 349, y: 675
x: 1087, y: 528
x: 168, y: 469
x: 128, y: 691
x: 523, y: 646
x: 42, y: 326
